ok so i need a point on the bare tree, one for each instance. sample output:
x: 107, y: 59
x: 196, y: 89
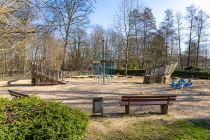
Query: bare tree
x: 179, y: 28
x: 68, y: 15
x: 97, y: 35
x: 79, y: 42
x: 190, y: 17
x: 201, y: 26
x: 157, y: 50
x: 149, y: 26
x: 136, y: 21
x: 167, y: 27
x: 17, y: 29
x: 124, y: 27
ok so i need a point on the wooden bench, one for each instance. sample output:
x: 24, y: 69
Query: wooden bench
x: 17, y: 94
x: 162, y: 100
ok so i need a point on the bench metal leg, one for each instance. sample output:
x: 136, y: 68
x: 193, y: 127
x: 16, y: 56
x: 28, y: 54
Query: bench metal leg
x: 164, y: 109
x: 127, y: 109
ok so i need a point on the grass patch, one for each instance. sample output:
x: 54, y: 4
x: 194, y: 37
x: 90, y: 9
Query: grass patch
x: 162, y: 130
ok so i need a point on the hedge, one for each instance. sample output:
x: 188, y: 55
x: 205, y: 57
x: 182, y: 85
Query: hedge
x: 177, y: 73
x: 36, y: 119
x: 138, y: 72
x: 192, y: 69
x: 191, y: 74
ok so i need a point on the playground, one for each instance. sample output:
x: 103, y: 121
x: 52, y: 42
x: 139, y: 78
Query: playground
x: 192, y: 102
x: 157, y: 91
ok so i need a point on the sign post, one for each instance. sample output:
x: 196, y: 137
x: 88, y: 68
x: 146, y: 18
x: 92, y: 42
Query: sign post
x: 103, y: 61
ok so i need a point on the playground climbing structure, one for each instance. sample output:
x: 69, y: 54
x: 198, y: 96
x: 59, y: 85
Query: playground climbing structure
x: 42, y: 75
x: 160, y: 74
x: 23, y: 76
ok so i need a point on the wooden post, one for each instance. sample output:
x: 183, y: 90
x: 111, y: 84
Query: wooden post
x: 49, y: 73
x: 164, y: 80
x: 164, y: 109
x: 33, y: 81
x: 54, y: 75
x: 127, y: 109
x: 57, y: 75
x: 42, y: 70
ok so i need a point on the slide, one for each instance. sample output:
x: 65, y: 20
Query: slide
x: 19, y: 78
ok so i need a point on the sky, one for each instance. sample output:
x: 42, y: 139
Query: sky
x: 106, y: 9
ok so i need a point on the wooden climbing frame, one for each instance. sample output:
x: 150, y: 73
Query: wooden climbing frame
x: 44, y: 75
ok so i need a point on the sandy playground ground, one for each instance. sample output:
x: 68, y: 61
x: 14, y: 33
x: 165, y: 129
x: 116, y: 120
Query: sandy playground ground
x: 192, y: 103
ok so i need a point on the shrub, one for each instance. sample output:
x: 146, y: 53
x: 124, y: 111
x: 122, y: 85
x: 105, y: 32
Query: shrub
x: 190, y: 74
x: 33, y: 118
x: 138, y: 72
x: 192, y: 68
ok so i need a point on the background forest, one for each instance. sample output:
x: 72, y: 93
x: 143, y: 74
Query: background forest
x: 58, y: 34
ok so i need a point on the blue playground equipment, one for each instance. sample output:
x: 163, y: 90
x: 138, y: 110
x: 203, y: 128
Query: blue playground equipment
x: 175, y: 85
x: 189, y: 83
x: 181, y: 83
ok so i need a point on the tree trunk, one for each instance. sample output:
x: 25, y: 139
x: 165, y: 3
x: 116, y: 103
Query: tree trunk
x: 180, y: 51
x: 144, y: 45
x: 197, y: 54
x: 189, y: 45
x: 64, y: 52
x: 126, y: 56
x: 166, y: 53
x: 198, y: 45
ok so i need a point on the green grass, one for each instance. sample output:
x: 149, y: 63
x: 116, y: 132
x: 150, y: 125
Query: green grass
x: 164, y: 130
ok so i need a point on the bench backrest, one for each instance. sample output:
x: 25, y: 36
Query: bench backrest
x: 167, y: 98
x: 17, y: 94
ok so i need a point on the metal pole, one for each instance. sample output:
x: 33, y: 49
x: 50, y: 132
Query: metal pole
x: 103, y: 62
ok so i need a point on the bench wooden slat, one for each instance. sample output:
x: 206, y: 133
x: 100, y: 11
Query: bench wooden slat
x: 150, y: 99
x: 17, y: 94
x: 145, y: 103
x: 154, y: 96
